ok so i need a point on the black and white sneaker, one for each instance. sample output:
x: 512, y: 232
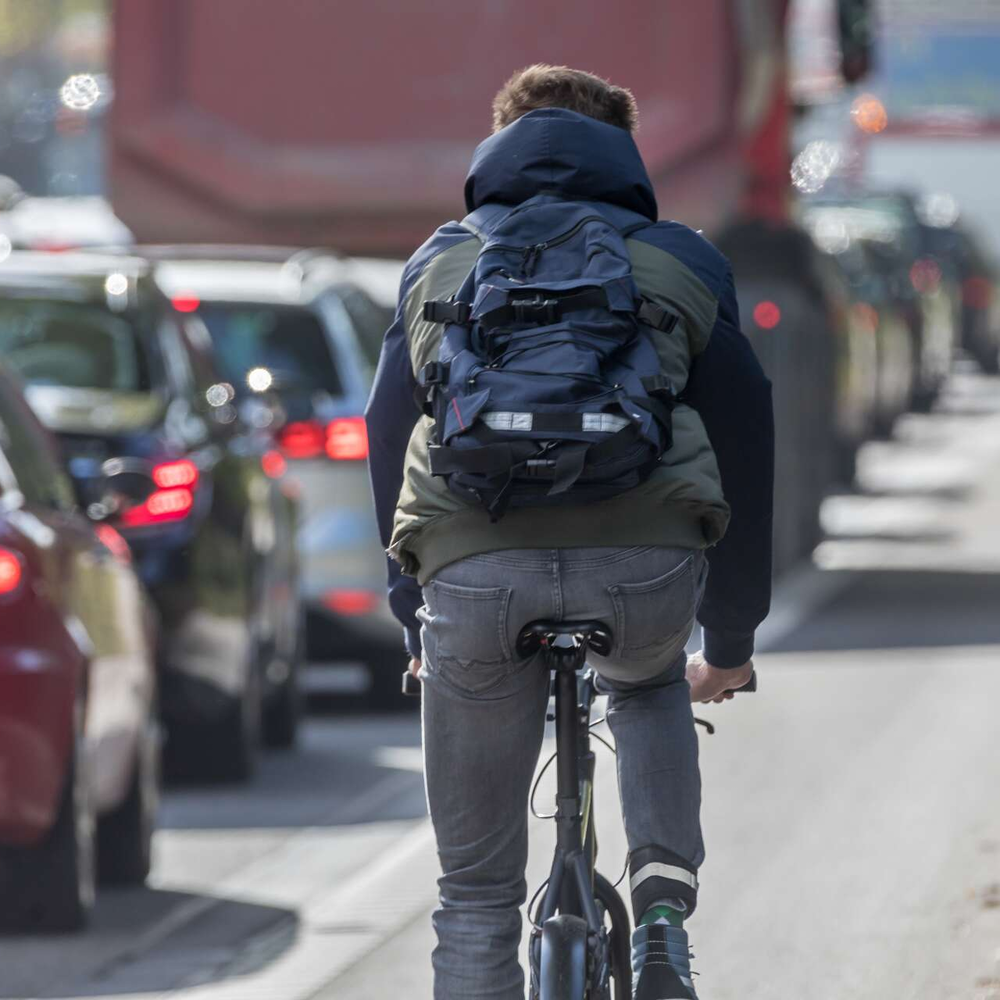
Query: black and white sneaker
x: 661, y: 964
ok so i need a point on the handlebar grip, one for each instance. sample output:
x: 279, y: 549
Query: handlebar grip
x: 750, y: 686
x: 411, y: 685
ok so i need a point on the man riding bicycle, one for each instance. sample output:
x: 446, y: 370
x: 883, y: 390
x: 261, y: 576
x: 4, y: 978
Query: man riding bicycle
x: 643, y: 508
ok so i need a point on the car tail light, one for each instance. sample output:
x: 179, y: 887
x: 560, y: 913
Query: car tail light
x: 347, y: 439
x: 173, y: 498
x: 767, y: 314
x: 160, y: 507
x: 302, y: 439
x: 185, y: 302
x: 170, y: 475
x: 11, y: 572
x: 344, y: 439
x: 351, y: 602
x: 273, y: 463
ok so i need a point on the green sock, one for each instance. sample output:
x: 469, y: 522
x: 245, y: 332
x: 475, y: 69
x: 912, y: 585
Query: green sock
x: 665, y: 911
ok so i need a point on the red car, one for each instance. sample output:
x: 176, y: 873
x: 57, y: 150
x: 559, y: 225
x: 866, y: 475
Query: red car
x: 79, y: 743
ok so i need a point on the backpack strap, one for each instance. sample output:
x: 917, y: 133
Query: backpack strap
x: 485, y: 218
x: 544, y: 310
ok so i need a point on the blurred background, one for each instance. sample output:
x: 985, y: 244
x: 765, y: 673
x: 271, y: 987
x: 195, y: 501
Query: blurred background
x: 206, y: 771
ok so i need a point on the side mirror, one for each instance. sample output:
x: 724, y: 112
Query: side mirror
x: 855, y: 23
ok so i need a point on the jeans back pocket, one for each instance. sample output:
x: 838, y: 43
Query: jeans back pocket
x: 654, y: 618
x: 465, y: 634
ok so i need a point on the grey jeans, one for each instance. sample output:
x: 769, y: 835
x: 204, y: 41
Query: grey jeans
x: 484, y: 718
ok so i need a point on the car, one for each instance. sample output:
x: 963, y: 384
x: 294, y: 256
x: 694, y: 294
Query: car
x: 923, y: 284
x: 976, y: 271
x: 880, y: 379
x: 79, y: 737
x: 128, y: 384
x: 307, y: 327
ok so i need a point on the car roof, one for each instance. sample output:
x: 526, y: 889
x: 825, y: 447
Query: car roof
x: 268, y: 274
x: 76, y: 275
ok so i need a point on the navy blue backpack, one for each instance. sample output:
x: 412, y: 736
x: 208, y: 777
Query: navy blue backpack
x: 547, y: 388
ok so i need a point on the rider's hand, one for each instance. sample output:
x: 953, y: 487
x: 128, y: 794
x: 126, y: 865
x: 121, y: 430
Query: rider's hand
x: 414, y: 667
x: 714, y: 684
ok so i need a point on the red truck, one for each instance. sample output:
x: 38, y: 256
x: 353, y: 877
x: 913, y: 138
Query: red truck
x: 312, y: 123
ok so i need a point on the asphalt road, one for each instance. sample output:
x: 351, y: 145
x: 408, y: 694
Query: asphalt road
x: 851, y: 810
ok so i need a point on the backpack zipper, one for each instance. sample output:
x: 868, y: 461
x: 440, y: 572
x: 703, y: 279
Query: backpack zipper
x: 530, y: 254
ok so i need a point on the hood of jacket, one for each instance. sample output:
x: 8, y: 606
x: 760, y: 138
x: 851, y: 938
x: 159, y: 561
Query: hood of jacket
x: 562, y: 152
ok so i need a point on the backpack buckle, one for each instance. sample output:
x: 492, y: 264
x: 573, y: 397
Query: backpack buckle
x: 434, y: 373
x: 540, y: 310
x: 447, y: 312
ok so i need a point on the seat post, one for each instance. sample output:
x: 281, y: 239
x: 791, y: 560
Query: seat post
x: 568, y: 830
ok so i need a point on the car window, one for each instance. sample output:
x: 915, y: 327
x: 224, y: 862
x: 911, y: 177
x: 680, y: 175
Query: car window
x: 199, y: 349
x: 175, y: 356
x: 31, y: 455
x: 370, y: 321
x: 290, y: 342
x: 73, y: 344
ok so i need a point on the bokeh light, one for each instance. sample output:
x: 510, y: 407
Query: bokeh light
x: 259, y: 379
x: 869, y: 114
x: 116, y: 284
x: 80, y: 92
x: 812, y: 168
x: 767, y: 315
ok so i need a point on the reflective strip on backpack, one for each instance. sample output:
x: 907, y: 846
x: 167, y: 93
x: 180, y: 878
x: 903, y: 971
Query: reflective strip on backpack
x: 506, y: 420
x: 656, y: 869
x: 606, y: 422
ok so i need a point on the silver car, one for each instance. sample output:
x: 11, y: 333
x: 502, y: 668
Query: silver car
x: 302, y: 332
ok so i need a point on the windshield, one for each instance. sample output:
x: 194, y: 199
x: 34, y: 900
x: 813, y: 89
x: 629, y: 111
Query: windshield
x: 933, y: 62
x: 72, y: 344
x: 288, y: 341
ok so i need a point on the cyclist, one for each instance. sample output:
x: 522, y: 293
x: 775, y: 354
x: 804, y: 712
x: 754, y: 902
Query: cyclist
x: 463, y: 585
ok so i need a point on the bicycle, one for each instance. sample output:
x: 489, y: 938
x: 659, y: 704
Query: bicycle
x: 573, y: 955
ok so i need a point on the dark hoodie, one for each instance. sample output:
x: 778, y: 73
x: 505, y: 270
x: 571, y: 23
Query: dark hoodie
x: 576, y: 157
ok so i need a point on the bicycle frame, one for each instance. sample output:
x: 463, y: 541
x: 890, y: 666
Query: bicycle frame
x: 582, y: 955
x: 571, y: 879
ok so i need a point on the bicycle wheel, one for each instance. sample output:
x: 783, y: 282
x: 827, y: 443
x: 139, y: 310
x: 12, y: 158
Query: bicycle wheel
x: 564, y: 958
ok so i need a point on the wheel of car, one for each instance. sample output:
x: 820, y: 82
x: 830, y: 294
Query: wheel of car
x: 283, y: 711
x: 125, y: 835
x: 55, y: 880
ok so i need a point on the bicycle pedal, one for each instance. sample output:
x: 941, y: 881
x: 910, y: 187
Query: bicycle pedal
x: 550, y: 716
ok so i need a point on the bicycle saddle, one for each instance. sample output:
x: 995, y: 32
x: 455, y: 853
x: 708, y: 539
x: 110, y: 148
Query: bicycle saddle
x: 545, y: 634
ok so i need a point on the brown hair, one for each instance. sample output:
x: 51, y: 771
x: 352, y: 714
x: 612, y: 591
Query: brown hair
x: 542, y: 86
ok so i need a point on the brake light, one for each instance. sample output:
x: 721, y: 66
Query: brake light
x: 273, y: 464
x: 351, y: 602
x: 162, y: 506
x: 302, y: 439
x: 169, y: 475
x: 185, y: 302
x: 347, y: 439
x: 767, y: 315
x: 11, y: 572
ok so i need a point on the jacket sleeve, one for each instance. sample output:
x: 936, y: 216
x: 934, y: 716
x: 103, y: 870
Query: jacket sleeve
x: 728, y: 388
x: 391, y: 415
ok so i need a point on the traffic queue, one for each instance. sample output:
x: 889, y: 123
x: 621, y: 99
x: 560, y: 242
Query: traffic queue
x: 185, y: 521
